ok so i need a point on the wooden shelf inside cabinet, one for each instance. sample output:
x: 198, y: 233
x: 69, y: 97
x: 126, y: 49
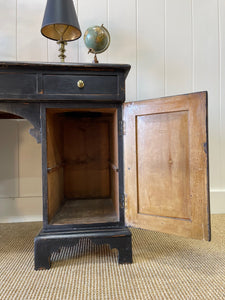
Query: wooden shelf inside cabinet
x: 100, y: 177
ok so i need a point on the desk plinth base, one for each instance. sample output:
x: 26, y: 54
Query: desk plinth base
x: 48, y: 242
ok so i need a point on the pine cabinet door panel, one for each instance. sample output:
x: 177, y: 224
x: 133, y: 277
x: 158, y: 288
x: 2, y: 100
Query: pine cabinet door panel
x: 166, y: 165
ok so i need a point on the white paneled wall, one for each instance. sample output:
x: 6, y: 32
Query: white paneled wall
x: 8, y: 23
x: 178, y: 47
x: 20, y: 172
x: 173, y: 46
x: 150, y: 49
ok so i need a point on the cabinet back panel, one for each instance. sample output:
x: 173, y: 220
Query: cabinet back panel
x: 86, y: 158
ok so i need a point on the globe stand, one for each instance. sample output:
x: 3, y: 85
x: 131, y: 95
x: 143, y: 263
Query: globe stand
x: 95, y: 61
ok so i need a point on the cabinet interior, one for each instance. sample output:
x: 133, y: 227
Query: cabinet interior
x: 82, y: 166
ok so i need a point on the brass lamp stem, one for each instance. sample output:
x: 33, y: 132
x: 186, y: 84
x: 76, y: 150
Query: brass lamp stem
x: 61, y: 42
x: 62, y: 50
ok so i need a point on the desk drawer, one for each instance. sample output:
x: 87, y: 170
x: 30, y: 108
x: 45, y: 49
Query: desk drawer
x: 17, y: 84
x: 67, y: 84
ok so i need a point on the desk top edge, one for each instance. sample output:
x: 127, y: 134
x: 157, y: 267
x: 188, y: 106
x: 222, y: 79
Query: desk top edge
x: 65, y: 66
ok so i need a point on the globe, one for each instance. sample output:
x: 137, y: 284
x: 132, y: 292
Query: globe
x: 97, y: 39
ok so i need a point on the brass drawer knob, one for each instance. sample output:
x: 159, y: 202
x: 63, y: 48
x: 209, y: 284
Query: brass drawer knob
x: 80, y: 84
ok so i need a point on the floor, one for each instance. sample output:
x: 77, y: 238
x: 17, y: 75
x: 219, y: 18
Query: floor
x: 164, y: 267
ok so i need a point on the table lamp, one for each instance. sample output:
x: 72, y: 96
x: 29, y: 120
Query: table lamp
x: 60, y: 23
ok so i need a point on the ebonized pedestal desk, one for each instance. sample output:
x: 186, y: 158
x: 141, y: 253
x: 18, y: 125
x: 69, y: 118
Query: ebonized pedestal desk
x: 78, y: 115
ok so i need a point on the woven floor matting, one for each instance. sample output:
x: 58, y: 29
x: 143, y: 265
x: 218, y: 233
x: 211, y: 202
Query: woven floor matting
x: 165, y: 267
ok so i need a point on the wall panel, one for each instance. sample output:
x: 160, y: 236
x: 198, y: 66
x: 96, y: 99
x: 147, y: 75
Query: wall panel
x: 206, y: 76
x: 8, y: 159
x: 178, y: 47
x: 122, y: 28
x: 8, y: 29
x: 31, y: 45
x: 150, y: 49
x: 30, y: 183
x: 222, y: 92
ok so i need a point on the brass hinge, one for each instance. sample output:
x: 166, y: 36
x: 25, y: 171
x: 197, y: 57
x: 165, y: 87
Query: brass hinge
x: 122, y: 130
x: 123, y: 201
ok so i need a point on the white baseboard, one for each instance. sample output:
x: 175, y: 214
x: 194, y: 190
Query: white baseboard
x: 217, y: 201
x: 20, y: 219
x: 23, y: 209
x: 29, y: 209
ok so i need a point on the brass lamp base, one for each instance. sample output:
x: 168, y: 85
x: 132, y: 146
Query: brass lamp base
x: 62, y: 50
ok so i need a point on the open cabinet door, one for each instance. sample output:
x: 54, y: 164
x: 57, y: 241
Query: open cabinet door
x: 166, y: 165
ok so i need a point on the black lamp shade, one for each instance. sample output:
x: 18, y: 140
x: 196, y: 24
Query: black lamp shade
x: 60, y: 21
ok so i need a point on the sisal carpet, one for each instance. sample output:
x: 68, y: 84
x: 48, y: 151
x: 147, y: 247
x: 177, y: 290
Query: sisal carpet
x: 165, y: 267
